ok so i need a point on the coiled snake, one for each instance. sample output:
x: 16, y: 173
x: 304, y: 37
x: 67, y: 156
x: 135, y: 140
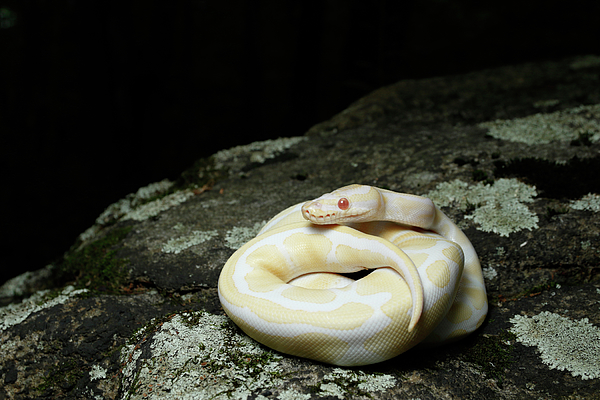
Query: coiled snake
x: 284, y: 288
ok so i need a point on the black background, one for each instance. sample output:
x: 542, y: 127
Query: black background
x: 100, y: 98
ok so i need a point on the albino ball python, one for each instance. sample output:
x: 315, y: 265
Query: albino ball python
x: 283, y: 287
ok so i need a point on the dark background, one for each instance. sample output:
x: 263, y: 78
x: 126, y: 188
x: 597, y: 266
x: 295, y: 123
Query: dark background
x: 100, y: 98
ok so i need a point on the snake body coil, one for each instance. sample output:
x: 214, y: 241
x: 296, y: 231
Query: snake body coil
x: 284, y: 288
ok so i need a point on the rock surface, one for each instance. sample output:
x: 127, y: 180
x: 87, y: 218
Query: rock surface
x: 511, y: 154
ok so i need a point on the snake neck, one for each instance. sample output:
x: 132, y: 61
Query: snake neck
x: 408, y: 209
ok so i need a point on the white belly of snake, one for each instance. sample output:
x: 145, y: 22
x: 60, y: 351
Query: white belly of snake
x: 284, y: 288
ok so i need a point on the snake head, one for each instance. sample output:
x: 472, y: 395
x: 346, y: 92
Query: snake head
x: 353, y: 203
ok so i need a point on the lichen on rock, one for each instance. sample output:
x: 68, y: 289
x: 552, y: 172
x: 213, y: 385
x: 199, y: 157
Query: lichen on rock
x: 587, y: 61
x: 497, y: 208
x: 589, y: 202
x: 257, y: 152
x: 238, y: 236
x: 13, y: 314
x: 177, y: 245
x: 157, y: 206
x: 564, y: 125
x: 196, y: 355
x: 128, y: 204
x: 562, y: 342
x: 343, y: 383
x: 138, y: 206
x: 25, y: 283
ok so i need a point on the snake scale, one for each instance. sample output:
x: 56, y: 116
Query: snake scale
x: 284, y: 288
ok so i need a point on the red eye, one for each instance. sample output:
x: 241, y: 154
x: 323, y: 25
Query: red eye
x: 343, y: 203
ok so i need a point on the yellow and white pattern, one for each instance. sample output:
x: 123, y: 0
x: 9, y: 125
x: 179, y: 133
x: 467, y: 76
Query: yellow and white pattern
x: 284, y: 288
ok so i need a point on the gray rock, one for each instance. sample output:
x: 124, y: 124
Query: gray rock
x: 511, y: 154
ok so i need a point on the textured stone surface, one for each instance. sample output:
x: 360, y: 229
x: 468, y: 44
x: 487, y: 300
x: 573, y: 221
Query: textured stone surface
x: 158, y: 330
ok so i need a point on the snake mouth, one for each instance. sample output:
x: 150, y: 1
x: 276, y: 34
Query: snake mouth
x: 321, y: 213
x: 323, y: 218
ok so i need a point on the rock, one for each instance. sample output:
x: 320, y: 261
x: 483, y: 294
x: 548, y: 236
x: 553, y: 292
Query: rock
x: 511, y: 154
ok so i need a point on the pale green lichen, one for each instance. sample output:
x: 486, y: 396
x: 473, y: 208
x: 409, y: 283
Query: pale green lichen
x: 546, y: 103
x: 564, y: 344
x: 97, y: 372
x: 344, y: 383
x: 177, y: 245
x: 587, y: 61
x: 497, y: 208
x: 257, y: 152
x: 137, y: 206
x: 238, y: 236
x: 178, y: 227
x: 289, y: 394
x: 153, y: 189
x: 157, y: 206
x: 565, y: 125
x: 589, y: 202
x: 489, y: 273
x: 196, y: 355
x: 14, y: 314
x: 23, y: 283
x: 333, y: 390
x: 129, y: 203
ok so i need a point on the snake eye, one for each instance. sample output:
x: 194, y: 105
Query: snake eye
x: 343, y: 203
